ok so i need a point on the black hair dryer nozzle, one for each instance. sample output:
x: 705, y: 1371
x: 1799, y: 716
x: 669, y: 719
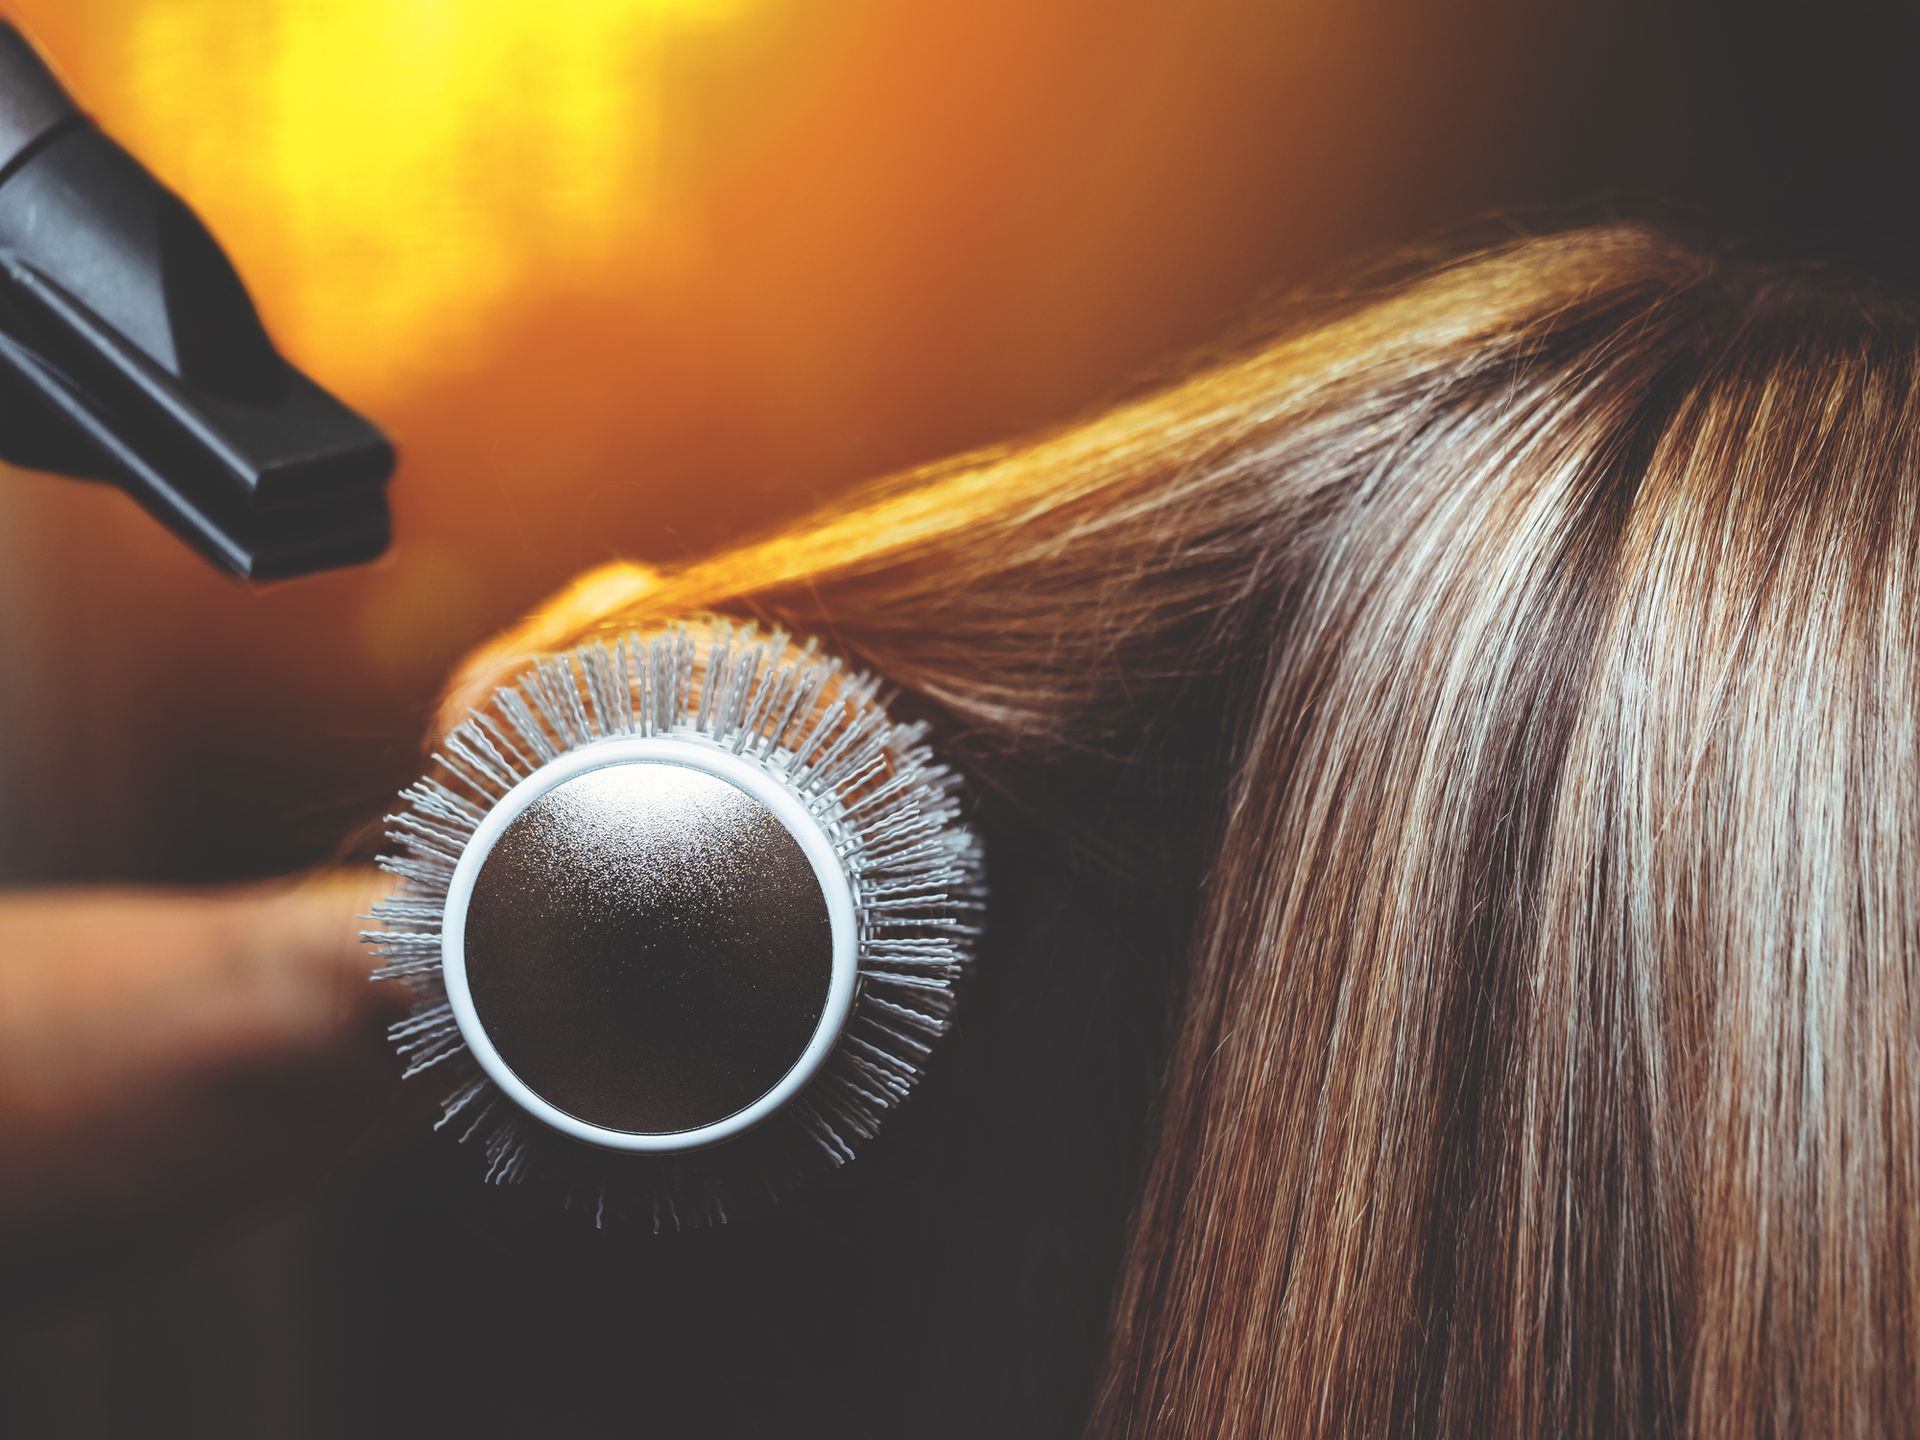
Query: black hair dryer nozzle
x: 130, y: 352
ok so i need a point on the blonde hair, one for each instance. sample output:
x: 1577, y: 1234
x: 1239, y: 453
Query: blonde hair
x: 1515, y: 672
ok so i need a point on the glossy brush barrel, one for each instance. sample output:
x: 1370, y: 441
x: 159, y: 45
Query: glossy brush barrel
x: 686, y: 917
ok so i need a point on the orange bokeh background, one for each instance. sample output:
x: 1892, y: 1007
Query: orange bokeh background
x: 640, y: 278
x: 637, y: 277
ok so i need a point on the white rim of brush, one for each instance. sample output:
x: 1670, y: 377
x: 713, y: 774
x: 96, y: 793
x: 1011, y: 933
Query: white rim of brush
x: 690, y: 752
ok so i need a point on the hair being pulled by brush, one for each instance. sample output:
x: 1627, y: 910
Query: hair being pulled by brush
x: 1505, y: 685
x: 727, y: 707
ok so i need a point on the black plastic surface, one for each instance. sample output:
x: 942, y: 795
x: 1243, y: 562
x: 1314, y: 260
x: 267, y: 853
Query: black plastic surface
x: 130, y: 351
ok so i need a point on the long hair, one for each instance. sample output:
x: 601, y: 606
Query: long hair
x: 1509, y: 680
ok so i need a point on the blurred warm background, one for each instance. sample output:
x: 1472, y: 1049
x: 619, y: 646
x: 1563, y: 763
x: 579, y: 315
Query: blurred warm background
x: 638, y: 277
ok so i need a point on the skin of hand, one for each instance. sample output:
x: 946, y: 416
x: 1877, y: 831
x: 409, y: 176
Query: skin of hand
x: 162, y: 1050
x: 551, y: 625
x: 167, y: 1055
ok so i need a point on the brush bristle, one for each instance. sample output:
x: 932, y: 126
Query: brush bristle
x: 891, y: 809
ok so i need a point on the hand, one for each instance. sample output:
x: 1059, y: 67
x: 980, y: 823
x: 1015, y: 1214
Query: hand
x: 558, y: 624
x: 158, y: 1049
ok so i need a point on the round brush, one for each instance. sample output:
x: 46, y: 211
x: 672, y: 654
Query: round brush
x: 683, y: 917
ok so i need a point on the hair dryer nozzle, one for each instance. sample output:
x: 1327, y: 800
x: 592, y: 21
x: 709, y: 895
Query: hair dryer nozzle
x: 130, y: 351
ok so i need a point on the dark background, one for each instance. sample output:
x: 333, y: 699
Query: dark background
x: 638, y: 280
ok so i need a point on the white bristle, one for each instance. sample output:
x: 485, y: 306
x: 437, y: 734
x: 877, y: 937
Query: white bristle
x: 872, y: 783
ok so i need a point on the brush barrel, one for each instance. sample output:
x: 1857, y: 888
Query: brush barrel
x: 664, y: 889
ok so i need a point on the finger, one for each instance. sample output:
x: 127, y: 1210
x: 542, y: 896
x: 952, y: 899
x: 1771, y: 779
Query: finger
x: 594, y: 597
x: 312, y: 925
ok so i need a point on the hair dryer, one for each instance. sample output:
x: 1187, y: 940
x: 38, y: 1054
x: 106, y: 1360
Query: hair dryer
x: 130, y: 352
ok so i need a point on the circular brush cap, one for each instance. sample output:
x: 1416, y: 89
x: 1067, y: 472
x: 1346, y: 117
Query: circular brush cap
x: 650, y: 945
